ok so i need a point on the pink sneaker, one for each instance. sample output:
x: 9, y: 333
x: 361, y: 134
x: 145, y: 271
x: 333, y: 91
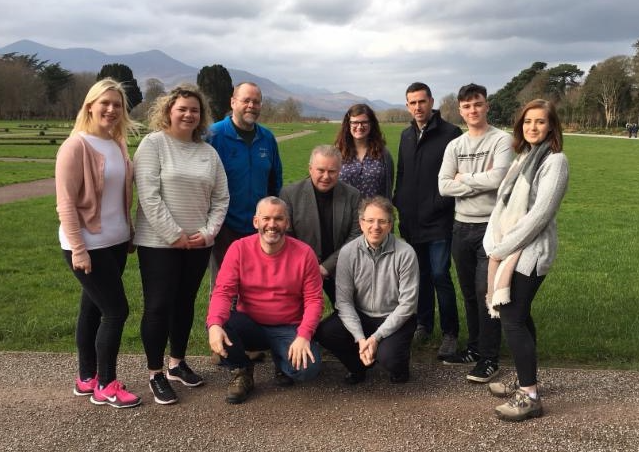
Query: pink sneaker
x: 115, y: 395
x: 84, y: 387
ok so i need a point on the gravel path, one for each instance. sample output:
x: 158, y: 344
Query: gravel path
x: 586, y: 410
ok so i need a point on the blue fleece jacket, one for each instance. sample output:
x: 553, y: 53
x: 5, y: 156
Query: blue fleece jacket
x: 252, y: 173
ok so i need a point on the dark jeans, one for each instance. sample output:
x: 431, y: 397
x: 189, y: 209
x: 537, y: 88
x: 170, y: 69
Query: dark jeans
x: 471, y: 262
x: 103, y: 311
x: 393, y: 352
x: 519, y: 327
x: 170, y: 281
x: 434, y: 275
x: 248, y: 335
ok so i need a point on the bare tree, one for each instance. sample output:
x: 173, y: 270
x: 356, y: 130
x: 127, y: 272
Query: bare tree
x: 609, y: 85
x: 449, y: 109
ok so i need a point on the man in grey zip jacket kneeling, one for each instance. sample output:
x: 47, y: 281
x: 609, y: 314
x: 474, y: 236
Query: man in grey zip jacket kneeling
x: 377, y: 281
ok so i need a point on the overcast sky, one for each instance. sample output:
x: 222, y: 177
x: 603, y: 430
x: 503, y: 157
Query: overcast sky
x: 373, y: 48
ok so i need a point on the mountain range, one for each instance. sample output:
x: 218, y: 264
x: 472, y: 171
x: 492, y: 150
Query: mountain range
x: 315, y: 102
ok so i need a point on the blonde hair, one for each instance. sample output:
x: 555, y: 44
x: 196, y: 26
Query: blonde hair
x: 84, y: 120
x: 160, y: 111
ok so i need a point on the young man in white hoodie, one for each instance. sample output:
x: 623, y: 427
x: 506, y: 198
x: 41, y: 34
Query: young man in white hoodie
x: 473, y: 167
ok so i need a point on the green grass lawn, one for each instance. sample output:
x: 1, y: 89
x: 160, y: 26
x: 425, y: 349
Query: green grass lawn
x: 587, y: 310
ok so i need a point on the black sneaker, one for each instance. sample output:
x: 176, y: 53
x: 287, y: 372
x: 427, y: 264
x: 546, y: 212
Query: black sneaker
x: 484, y: 371
x: 184, y: 375
x: 465, y: 357
x: 399, y: 378
x: 353, y: 378
x: 162, y: 390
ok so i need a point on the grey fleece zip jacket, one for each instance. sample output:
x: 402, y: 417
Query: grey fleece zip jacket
x: 380, y: 283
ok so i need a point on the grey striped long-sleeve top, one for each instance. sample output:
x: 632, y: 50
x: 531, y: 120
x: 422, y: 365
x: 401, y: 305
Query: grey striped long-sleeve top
x: 181, y: 186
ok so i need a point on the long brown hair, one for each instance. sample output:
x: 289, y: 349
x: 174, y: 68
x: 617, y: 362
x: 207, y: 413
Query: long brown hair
x: 375, y: 140
x: 555, y: 136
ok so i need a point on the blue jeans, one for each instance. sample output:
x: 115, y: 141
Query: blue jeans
x: 434, y: 276
x: 246, y: 334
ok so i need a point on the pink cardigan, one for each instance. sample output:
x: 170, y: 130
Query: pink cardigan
x: 79, y: 182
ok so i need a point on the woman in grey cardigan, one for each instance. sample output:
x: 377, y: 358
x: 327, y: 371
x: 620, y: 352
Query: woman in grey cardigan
x: 521, y: 243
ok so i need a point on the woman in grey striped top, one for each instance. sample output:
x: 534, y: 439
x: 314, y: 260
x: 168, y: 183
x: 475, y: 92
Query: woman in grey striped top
x: 182, y: 201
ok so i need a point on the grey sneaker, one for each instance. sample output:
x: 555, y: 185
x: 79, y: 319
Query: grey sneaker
x: 448, y: 347
x: 240, y: 385
x: 501, y: 389
x: 483, y: 372
x: 519, y: 407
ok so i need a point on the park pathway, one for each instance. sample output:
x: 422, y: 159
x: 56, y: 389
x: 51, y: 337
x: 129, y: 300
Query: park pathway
x: 46, y: 187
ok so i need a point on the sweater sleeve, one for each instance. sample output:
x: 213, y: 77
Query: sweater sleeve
x: 313, y: 296
x: 408, y: 271
x: 552, y: 184
x: 226, y: 287
x: 219, y: 202
x: 446, y: 182
x: 147, y: 167
x: 491, y: 178
x: 69, y: 176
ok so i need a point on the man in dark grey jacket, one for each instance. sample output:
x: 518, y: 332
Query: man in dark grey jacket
x: 377, y: 289
x: 425, y: 217
x: 323, y: 211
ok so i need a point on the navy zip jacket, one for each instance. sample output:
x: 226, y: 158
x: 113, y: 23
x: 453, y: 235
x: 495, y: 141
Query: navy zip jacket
x: 252, y: 173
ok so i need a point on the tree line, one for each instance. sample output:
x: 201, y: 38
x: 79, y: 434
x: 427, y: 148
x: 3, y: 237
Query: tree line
x: 607, y: 97
x: 35, y: 89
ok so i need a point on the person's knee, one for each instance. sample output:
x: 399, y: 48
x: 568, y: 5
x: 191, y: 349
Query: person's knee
x: 311, y: 371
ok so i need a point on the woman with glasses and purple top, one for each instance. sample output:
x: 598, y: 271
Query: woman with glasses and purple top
x: 366, y: 163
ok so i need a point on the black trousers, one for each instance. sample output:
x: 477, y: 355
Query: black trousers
x: 471, y: 262
x: 393, y: 352
x: 519, y: 328
x: 103, y: 310
x: 170, y: 281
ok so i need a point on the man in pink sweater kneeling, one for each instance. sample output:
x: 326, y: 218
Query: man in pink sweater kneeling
x: 279, y: 303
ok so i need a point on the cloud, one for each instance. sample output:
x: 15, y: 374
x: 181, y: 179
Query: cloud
x: 371, y: 48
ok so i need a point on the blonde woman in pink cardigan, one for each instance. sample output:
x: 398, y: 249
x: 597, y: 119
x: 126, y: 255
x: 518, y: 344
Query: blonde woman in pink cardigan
x: 93, y: 177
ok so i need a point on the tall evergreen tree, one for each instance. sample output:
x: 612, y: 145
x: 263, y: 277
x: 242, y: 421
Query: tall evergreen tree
x: 215, y: 82
x: 123, y: 74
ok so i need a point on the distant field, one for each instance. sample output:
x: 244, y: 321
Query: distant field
x: 587, y: 311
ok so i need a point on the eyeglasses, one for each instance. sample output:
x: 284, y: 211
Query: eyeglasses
x: 355, y: 124
x: 255, y: 102
x: 379, y: 221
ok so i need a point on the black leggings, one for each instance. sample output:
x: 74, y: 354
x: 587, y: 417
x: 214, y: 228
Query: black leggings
x: 103, y: 311
x: 170, y: 281
x: 519, y: 328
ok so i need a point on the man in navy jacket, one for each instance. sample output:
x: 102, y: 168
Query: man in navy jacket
x: 251, y: 160
x: 425, y: 217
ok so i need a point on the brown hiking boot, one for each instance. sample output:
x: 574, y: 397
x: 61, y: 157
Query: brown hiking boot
x: 519, y: 407
x: 240, y: 385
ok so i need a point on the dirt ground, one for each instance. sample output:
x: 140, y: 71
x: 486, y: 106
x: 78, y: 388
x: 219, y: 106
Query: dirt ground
x: 437, y: 410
